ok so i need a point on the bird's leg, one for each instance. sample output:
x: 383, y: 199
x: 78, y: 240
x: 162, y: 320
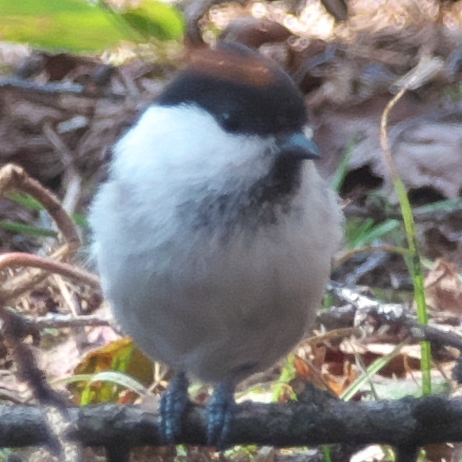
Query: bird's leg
x: 172, y: 404
x: 220, y: 413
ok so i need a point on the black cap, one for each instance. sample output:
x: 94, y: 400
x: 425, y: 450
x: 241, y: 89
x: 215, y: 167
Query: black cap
x: 245, y: 92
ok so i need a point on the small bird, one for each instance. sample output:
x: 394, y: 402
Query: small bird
x: 214, y: 233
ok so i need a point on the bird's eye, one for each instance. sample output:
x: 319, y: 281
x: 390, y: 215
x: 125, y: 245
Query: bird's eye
x: 229, y: 121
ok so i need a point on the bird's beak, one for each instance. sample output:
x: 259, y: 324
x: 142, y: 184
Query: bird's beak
x: 299, y: 146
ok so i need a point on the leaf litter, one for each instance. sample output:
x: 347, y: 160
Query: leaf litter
x: 348, y: 78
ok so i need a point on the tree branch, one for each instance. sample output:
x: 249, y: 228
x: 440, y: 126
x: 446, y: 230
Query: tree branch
x: 405, y: 423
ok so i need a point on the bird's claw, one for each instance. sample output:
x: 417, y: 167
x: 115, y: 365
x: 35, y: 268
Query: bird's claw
x: 172, y: 405
x: 220, y: 414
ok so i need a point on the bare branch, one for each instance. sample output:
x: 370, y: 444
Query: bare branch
x: 405, y: 423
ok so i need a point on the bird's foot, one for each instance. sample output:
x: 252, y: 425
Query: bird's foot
x: 172, y: 405
x: 220, y: 413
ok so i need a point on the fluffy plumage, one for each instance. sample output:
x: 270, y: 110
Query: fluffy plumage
x: 214, y: 239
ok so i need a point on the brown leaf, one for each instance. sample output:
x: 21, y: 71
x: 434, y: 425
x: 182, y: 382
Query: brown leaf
x: 443, y: 287
x: 439, y: 452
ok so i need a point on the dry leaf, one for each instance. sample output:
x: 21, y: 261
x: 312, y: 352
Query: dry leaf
x: 444, y: 288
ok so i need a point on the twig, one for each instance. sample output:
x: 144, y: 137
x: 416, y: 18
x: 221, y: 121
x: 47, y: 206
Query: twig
x: 73, y: 178
x: 393, y: 313
x: 14, y: 329
x: 55, y: 88
x: 9, y: 291
x: 13, y: 177
x: 400, y: 423
x: 60, y: 321
x: 29, y: 85
x: 371, y: 248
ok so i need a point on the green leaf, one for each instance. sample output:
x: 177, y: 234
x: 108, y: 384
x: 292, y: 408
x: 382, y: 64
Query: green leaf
x: 74, y: 25
x: 79, y: 26
x: 378, y: 231
x: 22, y: 228
x: 26, y: 200
x: 156, y: 19
x: 364, y: 232
x: 108, y: 390
x: 81, y: 220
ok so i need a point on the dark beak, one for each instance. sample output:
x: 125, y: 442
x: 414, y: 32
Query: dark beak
x: 299, y: 146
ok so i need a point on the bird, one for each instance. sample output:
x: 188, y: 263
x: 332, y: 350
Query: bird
x: 214, y: 233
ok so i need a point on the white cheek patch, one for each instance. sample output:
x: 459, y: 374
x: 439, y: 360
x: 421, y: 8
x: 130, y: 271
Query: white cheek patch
x: 185, y: 145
